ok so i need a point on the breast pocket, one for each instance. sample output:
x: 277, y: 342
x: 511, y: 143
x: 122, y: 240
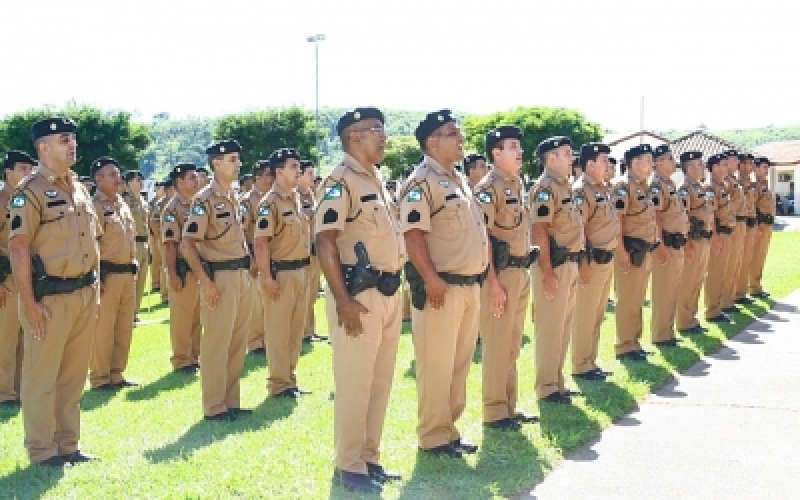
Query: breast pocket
x: 378, y: 219
x: 510, y: 217
x: 454, y: 216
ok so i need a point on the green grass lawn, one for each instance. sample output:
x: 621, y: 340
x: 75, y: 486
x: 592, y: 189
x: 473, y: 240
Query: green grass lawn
x: 154, y: 443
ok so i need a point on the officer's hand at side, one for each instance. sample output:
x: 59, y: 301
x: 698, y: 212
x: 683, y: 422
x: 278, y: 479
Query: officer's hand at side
x: 271, y: 288
x: 212, y: 294
x: 498, y: 297
x: 435, y: 291
x: 585, y: 274
x: 174, y: 282
x: 37, y: 316
x: 663, y: 254
x: 349, y: 311
x: 550, y: 285
x: 624, y: 262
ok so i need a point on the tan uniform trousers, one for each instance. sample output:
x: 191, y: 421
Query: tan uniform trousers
x: 692, y: 278
x: 553, y: 321
x: 502, y: 339
x: 184, y: 324
x: 444, y: 342
x: 664, y: 294
x: 113, y: 330
x: 156, y: 263
x: 734, y: 264
x: 313, y: 288
x: 142, y: 257
x: 760, y: 248
x: 592, y: 299
x: 257, y: 325
x: 717, y: 264
x: 11, y: 341
x: 631, y: 292
x: 54, y: 372
x: 406, y: 301
x: 285, y: 321
x: 743, y: 275
x: 363, y: 368
x: 224, y: 341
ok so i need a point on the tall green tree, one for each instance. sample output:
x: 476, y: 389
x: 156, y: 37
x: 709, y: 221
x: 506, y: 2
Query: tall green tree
x: 401, y: 151
x: 175, y: 141
x: 100, y: 133
x: 537, y: 124
x: 262, y: 132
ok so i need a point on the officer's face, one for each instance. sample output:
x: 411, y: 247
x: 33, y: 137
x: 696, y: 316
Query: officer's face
x: 762, y: 171
x: 135, y: 184
x: 289, y: 174
x: 108, y: 179
x: 247, y: 185
x: 307, y: 178
x: 509, y: 158
x: 371, y: 137
x: 642, y: 165
x: 202, y: 178
x: 746, y: 167
x: 159, y: 190
x: 60, y: 150
x: 17, y: 172
x: 561, y: 160
x: 447, y: 143
x: 696, y: 170
x: 733, y: 165
x: 719, y: 171
x: 189, y: 183
x: 598, y: 169
x: 478, y: 170
x: 666, y: 164
x: 227, y: 166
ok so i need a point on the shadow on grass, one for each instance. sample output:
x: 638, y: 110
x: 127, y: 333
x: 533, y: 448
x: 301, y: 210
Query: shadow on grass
x: 253, y: 362
x: 31, y: 482
x: 9, y: 412
x: 168, y: 382
x: 678, y: 358
x: 411, y: 371
x: 606, y: 397
x: 205, y: 433
x: 96, y: 398
x: 433, y: 477
x: 567, y: 426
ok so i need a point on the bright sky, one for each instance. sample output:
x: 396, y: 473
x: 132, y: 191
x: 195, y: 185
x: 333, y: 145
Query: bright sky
x: 726, y: 64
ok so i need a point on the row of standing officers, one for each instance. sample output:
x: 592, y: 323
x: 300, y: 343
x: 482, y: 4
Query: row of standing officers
x: 472, y: 252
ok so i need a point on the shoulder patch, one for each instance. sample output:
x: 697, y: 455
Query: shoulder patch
x: 579, y: 198
x: 543, y: 195
x: 263, y: 210
x: 621, y: 191
x: 415, y: 194
x: 655, y: 189
x: 683, y: 192
x: 198, y: 209
x: 333, y: 192
x: 18, y: 201
x: 484, y: 197
x: 169, y: 217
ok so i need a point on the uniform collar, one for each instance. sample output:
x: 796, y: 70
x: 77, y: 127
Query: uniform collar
x: 283, y: 193
x: 499, y: 174
x: 588, y: 179
x: 182, y: 200
x: 632, y: 177
x: 67, y: 178
x: 218, y: 190
x: 561, y: 179
x: 438, y: 168
x: 101, y: 197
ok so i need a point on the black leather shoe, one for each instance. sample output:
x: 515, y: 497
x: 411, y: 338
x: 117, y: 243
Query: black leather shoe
x: 259, y: 351
x: 525, y: 418
x: 721, y: 318
x: 695, y: 330
x: 557, y: 397
x: 464, y: 446
x: 596, y: 374
x: 633, y: 356
x: 318, y: 338
x: 126, y: 383
x: 667, y: 343
x: 744, y: 301
x: 379, y: 474
x: 308, y: 340
x: 189, y: 369
x: 291, y: 392
x: 445, y: 450
x: 78, y: 457
x: 225, y: 415
x: 504, y: 424
x: 106, y: 387
x: 730, y: 310
x: 55, y: 461
x: 355, y: 482
x: 760, y: 295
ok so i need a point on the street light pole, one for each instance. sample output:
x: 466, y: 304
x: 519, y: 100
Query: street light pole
x: 315, y: 39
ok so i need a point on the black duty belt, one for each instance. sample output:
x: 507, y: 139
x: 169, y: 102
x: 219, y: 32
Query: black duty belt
x: 521, y: 262
x: 765, y: 218
x: 600, y: 256
x: 290, y: 265
x: 700, y: 235
x: 229, y: 265
x: 140, y: 239
x: 673, y: 240
x: 111, y: 268
x: 741, y: 218
x: 752, y: 221
x: 462, y: 280
x: 725, y: 230
x: 54, y: 285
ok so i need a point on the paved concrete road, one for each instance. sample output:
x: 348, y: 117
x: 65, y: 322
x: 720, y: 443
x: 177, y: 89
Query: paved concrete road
x: 728, y: 428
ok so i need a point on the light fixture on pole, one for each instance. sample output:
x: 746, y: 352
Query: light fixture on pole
x: 315, y: 39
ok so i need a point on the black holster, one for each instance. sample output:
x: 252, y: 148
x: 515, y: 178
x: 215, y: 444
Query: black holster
x: 638, y: 249
x: 416, y: 286
x: 5, y: 268
x: 673, y: 240
x: 182, y: 269
x: 501, y: 252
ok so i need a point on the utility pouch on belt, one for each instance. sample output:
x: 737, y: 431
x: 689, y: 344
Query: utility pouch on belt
x: 558, y: 255
x: 416, y: 286
x: 181, y: 269
x: 638, y: 249
x: 501, y: 251
x: 5, y: 268
x: 207, y: 269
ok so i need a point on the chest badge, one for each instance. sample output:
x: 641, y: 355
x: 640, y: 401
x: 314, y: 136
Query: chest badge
x: 51, y: 194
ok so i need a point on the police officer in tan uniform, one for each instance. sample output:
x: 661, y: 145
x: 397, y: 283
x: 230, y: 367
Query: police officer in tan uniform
x: 700, y: 208
x: 475, y: 168
x: 283, y: 248
x: 750, y: 190
x: 215, y: 247
x: 169, y: 193
x: 506, y: 293
x: 156, y: 207
x: 739, y: 211
x: 132, y: 195
x: 361, y: 297
x: 672, y: 225
x: 447, y: 244
x: 248, y: 208
x: 53, y: 241
x: 601, y: 227
x: 633, y: 197
x: 202, y: 177
x: 765, y: 218
x: 724, y: 221
x: 184, y: 305
x: 118, y: 270
x: 558, y: 230
x: 16, y: 165
x: 305, y: 189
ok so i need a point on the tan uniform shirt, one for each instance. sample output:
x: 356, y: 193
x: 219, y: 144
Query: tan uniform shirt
x: 671, y: 202
x: 737, y: 197
x: 507, y: 219
x: 248, y: 211
x: 117, y: 244
x: 722, y: 204
x: 765, y: 199
x: 280, y: 219
x: 633, y: 197
x: 60, y: 221
x: 701, y: 203
x: 214, y: 221
x: 353, y: 201
x: 139, y: 211
x: 439, y: 202
x: 174, y: 220
x: 551, y: 201
x: 157, y: 206
x: 5, y: 218
x: 750, y: 190
x: 600, y: 219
